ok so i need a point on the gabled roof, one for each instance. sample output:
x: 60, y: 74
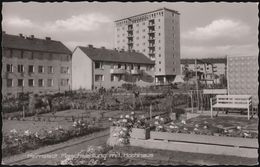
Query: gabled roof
x: 33, y: 44
x: 108, y: 55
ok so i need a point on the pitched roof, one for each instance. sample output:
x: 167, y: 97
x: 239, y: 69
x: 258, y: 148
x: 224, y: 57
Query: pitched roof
x: 108, y: 55
x: 35, y: 44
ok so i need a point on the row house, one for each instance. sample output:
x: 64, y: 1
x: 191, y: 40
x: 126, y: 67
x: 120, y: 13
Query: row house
x: 34, y: 65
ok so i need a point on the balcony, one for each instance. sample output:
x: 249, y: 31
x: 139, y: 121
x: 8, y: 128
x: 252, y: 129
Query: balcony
x: 151, y: 46
x: 135, y: 72
x: 130, y: 29
x: 151, y: 24
x: 117, y: 71
x: 151, y: 39
x: 151, y: 32
x: 130, y: 36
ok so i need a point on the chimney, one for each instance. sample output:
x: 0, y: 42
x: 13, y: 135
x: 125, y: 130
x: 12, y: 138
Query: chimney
x: 90, y: 46
x: 103, y: 47
x: 21, y: 35
x: 48, y: 38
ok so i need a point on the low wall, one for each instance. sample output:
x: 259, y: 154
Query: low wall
x: 219, y: 145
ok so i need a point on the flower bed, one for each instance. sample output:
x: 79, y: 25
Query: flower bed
x: 15, y: 143
x: 216, y: 127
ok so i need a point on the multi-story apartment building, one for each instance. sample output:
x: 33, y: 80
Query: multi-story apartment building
x: 242, y: 75
x: 93, y: 68
x: 34, y: 65
x: 156, y: 34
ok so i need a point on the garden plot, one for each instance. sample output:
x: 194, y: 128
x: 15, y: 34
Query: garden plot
x: 219, y: 126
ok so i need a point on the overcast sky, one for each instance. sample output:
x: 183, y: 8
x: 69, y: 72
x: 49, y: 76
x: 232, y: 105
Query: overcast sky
x: 207, y: 29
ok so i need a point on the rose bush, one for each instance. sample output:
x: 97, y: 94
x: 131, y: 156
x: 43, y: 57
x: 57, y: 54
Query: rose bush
x: 15, y: 143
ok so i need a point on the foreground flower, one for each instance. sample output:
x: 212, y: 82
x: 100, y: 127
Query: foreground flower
x: 196, y: 125
x: 196, y: 129
x: 13, y: 131
x: 121, y: 116
x: 205, y: 127
x: 27, y: 133
x: 157, y: 117
x: 110, y: 119
x: 132, y: 113
x: 183, y: 121
x: 127, y: 116
x: 124, y: 120
x: 238, y: 127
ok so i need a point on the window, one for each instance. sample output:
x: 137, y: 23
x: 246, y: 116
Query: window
x: 143, y: 23
x: 40, y: 69
x: 159, y: 62
x: 119, y: 77
x: 22, y: 53
x: 64, y: 70
x: 9, y: 82
x: 50, y: 69
x: 99, y: 78
x: 20, y: 83
x: 20, y: 68
x: 159, y: 69
x: 138, y: 67
x: 158, y: 20
x: 31, y: 69
x: 112, y: 78
x: 143, y: 36
x: 119, y: 66
x: 64, y: 82
x: 173, y: 69
x: 159, y: 34
x: 173, y: 55
x: 137, y: 25
x: 30, y: 82
x: 159, y: 55
x: 9, y: 67
x: 31, y: 56
x: 50, y: 82
x: 143, y: 30
x: 159, y: 27
x: 137, y: 31
x: 137, y: 38
x: 159, y: 48
x: 98, y: 65
x: 40, y: 83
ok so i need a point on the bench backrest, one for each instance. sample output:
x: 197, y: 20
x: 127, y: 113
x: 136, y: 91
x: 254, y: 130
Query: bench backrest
x: 234, y: 99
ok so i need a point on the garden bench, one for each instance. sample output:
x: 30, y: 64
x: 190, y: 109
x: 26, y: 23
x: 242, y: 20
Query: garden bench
x: 231, y: 102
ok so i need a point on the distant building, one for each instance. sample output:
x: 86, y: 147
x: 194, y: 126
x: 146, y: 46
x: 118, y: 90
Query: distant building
x: 209, y: 68
x: 156, y: 34
x: 243, y: 76
x: 34, y: 65
x: 93, y: 68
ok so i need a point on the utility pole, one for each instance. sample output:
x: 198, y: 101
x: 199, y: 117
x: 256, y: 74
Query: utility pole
x: 197, y: 85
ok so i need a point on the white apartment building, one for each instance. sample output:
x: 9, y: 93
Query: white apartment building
x: 156, y: 34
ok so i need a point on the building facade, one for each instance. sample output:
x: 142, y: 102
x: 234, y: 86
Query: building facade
x: 34, y: 65
x: 93, y: 68
x: 156, y: 34
x: 243, y: 76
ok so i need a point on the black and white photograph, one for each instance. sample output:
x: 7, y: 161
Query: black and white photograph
x: 130, y: 83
